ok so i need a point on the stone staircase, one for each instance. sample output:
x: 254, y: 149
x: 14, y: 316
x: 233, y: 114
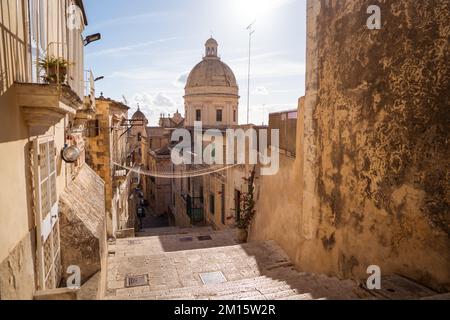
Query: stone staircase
x: 151, y: 232
x: 297, y: 286
x: 201, y: 264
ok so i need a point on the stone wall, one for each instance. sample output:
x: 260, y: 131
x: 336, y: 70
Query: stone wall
x: 376, y: 154
x: 279, y: 200
x: 82, y: 208
x: 17, y: 281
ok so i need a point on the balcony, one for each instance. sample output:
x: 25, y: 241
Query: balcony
x: 44, y: 105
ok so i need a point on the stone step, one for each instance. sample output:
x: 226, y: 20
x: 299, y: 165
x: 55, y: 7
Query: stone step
x: 262, y: 288
x: 160, y: 244
x: 171, y: 231
x: 224, y: 288
x: 255, y: 271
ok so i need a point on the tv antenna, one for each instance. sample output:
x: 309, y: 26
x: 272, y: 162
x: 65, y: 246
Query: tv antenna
x: 251, y: 31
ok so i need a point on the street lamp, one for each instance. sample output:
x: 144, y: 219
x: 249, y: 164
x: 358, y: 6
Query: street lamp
x: 92, y: 38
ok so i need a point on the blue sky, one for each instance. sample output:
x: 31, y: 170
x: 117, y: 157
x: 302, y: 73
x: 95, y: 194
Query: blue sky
x: 149, y: 47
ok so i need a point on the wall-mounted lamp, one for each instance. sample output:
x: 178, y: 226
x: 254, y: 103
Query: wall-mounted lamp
x: 99, y: 78
x: 70, y: 154
x: 92, y: 38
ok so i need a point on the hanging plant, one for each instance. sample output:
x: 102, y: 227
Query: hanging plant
x: 247, y: 210
x: 55, y: 69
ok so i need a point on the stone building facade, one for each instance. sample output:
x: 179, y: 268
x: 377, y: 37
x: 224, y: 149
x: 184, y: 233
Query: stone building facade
x: 108, y: 150
x: 159, y: 188
x: 212, y: 98
x: 370, y: 185
x: 42, y: 118
x: 159, y: 191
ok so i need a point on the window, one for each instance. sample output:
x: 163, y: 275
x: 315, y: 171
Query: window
x: 219, y: 115
x: 47, y: 217
x: 234, y: 116
x: 139, y: 136
x: 198, y: 115
x: 93, y: 128
x: 212, y: 204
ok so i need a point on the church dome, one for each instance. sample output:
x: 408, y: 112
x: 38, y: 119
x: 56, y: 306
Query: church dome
x: 211, y: 72
x: 139, y: 115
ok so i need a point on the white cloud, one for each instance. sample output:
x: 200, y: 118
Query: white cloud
x: 182, y: 79
x: 139, y: 18
x: 271, y: 69
x: 155, y: 105
x: 142, y: 74
x: 163, y: 100
x: 143, y: 99
x: 261, y: 91
x: 267, y: 65
x: 127, y: 50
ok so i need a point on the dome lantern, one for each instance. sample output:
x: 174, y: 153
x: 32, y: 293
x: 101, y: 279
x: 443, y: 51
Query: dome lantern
x: 211, y: 47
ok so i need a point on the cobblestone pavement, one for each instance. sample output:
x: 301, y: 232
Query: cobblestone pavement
x: 175, y: 266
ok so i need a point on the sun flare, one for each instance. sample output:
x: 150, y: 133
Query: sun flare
x: 251, y: 10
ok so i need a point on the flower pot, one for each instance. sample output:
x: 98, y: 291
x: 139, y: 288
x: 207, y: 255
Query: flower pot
x: 242, y: 235
x: 52, y: 75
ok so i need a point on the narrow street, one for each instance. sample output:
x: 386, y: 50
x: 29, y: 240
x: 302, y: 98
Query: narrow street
x: 202, y: 264
x: 206, y: 264
x: 153, y: 221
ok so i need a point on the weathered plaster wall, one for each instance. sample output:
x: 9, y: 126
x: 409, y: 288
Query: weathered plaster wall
x: 376, y: 171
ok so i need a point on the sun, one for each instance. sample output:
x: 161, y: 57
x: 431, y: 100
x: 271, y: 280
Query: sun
x: 251, y: 10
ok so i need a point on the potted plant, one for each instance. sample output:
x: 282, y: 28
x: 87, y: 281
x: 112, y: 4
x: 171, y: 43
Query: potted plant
x: 247, y: 210
x: 55, y: 69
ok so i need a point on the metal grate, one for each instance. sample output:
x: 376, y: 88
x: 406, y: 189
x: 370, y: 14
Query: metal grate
x: 204, y: 238
x: 213, y: 277
x: 136, y: 281
x: 186, y: 239
x: 134, y: 242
